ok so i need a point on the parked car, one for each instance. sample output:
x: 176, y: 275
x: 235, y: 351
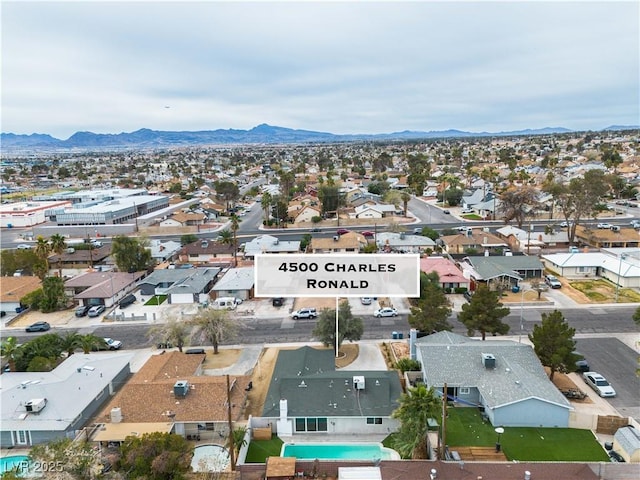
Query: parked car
x: 82, y: 310
x: 604, y: 226
x: 368, y: 234
x: 366, y: 300
x: 466, y: 210
x: 112, y: 344
x: 599, y: 384
x: 315, y: 229
x: 467, y: 295
x: 417, y: 231
x: 24, y: 246
x: 96, y: 310
x: 127, y: 300
x: 38, y: 327
x: 277, y: 302
x: 446, y: 212
x: 385, y: 312
x: 305, y: 313
x: 581, y: 365
x: 342, y: 231
x: 552, y: 281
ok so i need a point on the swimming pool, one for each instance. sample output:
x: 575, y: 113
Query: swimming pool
x: 210, y: 458
x: 10, y: 463
x: 338, y: 451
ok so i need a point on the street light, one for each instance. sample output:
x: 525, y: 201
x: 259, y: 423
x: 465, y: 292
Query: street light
x: 521, y: 314
x: 499, y: 431
x: 622, y: 257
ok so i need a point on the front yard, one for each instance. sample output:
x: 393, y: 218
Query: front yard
x: 465, y: 427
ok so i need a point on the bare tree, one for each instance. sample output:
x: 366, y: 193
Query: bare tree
x: 214, y: 326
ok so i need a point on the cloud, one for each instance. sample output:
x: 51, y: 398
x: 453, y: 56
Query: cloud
x: 342, y: 67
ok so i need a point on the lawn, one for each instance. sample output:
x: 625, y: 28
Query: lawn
x: 465, y: 427
x: 601, y: 291
x: 156, y: 300
x: 259, y: 450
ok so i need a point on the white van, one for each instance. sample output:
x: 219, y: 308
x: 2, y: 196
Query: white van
x: 230, y: 303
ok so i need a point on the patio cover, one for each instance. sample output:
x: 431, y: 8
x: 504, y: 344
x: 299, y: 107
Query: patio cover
x: 117, y: 432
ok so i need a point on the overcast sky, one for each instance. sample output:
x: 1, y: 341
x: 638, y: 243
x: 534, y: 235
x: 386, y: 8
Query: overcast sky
x: 339, y: 67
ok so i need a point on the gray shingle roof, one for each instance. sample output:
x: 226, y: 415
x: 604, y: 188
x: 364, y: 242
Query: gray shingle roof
x: 457, y: 361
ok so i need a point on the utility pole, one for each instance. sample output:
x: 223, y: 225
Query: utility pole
x: 232, y: 446
x: 443, y: 433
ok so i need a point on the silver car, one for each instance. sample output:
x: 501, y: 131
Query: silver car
x: 599, y: 384
x: 385, y: 312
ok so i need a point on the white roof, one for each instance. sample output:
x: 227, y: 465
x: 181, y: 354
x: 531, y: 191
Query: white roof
x: 359, y: 473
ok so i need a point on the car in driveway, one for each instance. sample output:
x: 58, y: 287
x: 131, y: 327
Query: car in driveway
x: 96, y: 310
x: 366, y: 300
x: 304, y: 313
x: 38, y: 327
x: 552, y: 281
x: 600, y: 384
x: 385, y: 312
x: 581, y: 364
x: 82, y: 310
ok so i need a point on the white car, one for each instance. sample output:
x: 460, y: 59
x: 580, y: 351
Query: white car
x: 24, y: 246
x: 552, y: 281
x: 113, y: 344
x: 366, y: 300
x: 385, y: 312
x: 599, y: 384
x: 604, y: 226
x: 305, y: 313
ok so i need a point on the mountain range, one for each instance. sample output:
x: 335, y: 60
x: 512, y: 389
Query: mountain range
x: 261, y: 134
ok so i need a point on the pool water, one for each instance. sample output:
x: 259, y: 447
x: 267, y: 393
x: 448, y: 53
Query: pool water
x: 339, y: 451
x: 9, y: 463
x: 210, y: 458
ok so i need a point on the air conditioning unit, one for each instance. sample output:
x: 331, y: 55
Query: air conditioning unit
x: 36, y: 405
x: 488, y: 360
x: 358, y: 382
x: 181, y: 388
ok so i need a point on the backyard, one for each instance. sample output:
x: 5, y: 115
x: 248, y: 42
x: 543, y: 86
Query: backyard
x: 466, y: 427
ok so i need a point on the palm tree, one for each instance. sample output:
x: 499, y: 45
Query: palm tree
x: 213, y: 326
x: 42, y: 248
x: 90, y: 342
x: 405, y: 196
x: 58, y: 245
x: 266, y: 204
x: 71, y: 341
x: 9, y: 349
x: 235, y: 225
x: 416, y: 407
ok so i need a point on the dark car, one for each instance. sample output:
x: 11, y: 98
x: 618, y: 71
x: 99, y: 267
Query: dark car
x: 277, y: 302
x: 581, y: 364
x: 342, y: 231
x: 368, y: 234
x: 82, y: 310
x: 38, y: 327
x: 315, y: 229
x: 446, y: 212
x: 467, y: 295
x: 128, y: 300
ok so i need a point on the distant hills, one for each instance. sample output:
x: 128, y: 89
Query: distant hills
x: 261, y: 134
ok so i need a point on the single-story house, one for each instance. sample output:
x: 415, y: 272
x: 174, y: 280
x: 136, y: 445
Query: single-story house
x: 164, y: 251
x: 14, y: 288
x: 307, y: 394
x: 449, y: 274
x: 79, y: 259
x: 236, y: 282
x: 101, y: 288
x: 502, y: 378
x: 180, y: 285
x: 607, y: 238
x: 207, y: 251
x: 619, y: 265
x: 302, y: 214
x: 477, y: 241
x: 184, y: 219
x: 509, y: 269
x: 170, y: 388
x: 350, y: 242
x: 36, y: 406
x: 402, y: 242
x: 270, y: 244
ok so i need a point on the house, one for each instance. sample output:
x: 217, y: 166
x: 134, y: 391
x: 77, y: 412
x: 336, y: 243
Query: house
x: 270, y: 244
x: 449, y: 274
x: 619, y: 265
x: 472, y: 241
x: 14, y: 288
x: 503, y: 378
x: 184, y: 219
x: 307, y: 394
x: 350, y: 242
x: 101, y: 288
x: 402, y: 242
x: 164, y: 251
x: 607, y: 238
x: 36, y: 406
x: 75, y: 260
x: 207, y: 252
x: 521, y: 240
x: 501, y: 269
x: 304, y: 214
x: 175, y: 390
x: 180, y: 285
x: 236, y: 282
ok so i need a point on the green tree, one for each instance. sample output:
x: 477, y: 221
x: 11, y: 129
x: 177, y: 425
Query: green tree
x: 214, y: 327
x: 305, y: 241
x: 432, y: 309
x: 235, y: 225
x: 130, y: 254
x: 47, y: 346
x: 54, y: 298
x: 416, y: 407
x: 265, y: 202
x: 484, y: 313
x: 405, y: 197
x: 155, y: 456
x: 349, y: 327
x: 554, y: 344
x: 58, y: 246
x: 173, y: 331
x: 188, y: 238
x: 91, y: 342
x: 42, y: 248
x: 430, y: 233
x: 636, y: 316
x: 70, y: 341
x: 33, y: 299
x: 9, y: 349
x: 78, y: 459
x: 226, y: 191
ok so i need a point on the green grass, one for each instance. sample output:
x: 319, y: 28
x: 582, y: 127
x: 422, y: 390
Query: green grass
x: 465, y: 427
x: 259, y: 450
x: 156, y: 300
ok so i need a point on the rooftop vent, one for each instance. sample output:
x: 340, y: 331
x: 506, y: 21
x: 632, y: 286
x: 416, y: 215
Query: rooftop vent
x: 336, y: 238
x: 181, y: 388
x: 116, y: 415
x: 36, y: 405
x: 358, y: 382
x: 488, y: 360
